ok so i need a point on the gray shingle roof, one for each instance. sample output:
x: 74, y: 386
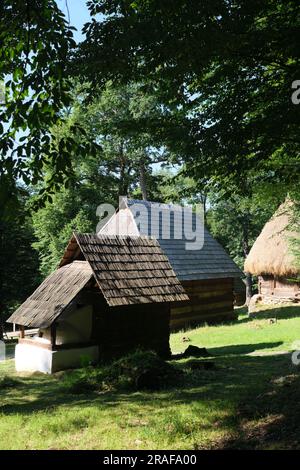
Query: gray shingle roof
x: 209, y: 262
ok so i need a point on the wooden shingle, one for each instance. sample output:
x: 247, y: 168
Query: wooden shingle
x: 130, y: 270
x: 209, y: 262
x: 54, y: 294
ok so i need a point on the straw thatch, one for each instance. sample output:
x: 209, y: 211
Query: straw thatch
x: 271, y: 253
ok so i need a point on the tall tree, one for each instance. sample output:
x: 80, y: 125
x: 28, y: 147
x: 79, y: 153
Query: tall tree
x: 120, y: 165
x: 19, y: 270
x: 237, y: 220
x: 229, y: 65
x: 116, y: 120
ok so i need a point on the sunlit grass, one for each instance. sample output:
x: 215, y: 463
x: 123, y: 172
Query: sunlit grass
x: 245, y: 393
x: 273, y: 329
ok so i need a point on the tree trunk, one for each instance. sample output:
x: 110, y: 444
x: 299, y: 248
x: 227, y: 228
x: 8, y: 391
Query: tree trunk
x: 1, y: 280
x: 246, y: 250
x: 248, y: 287
x: 203, y: 202
x: 123, y: 183
x: 143, y: 181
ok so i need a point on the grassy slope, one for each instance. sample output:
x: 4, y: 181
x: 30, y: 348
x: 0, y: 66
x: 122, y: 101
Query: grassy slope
x: 252, y: 399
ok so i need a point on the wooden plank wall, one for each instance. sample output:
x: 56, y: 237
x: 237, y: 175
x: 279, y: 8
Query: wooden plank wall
x: 266, y: 285
x: 119, y: 330
x: 210, y: 301
x: 137, y: 326
x: 278, y: 287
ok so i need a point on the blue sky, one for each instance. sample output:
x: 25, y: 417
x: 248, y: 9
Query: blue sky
x: 79, y: 15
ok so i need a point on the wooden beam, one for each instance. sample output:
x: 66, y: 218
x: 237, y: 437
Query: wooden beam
x: 38, y: 344
x: 59, y: 347
x: 53, y: 335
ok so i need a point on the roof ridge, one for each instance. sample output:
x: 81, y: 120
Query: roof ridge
x: 146, y: 202
x: 104, y: 235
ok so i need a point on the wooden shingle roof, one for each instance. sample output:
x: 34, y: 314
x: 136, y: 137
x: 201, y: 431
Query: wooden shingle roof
x: 51, y: 298
x: 130, y: 270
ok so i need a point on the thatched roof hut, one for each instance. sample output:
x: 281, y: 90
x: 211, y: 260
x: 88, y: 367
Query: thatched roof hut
x: 271, y: 257
x: 271, y: 252
x: 109, y: 295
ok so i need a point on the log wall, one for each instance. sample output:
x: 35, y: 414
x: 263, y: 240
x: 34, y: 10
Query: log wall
x: 278, y: 287
x: 211, y: 301
x: 239, y: 292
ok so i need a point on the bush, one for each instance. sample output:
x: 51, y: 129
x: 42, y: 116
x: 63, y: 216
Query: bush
x: 144, y: 370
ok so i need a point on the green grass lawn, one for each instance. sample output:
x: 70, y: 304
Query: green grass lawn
x: 250, y: 400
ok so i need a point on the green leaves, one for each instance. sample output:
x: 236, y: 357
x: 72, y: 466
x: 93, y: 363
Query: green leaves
x: 19, y: 274
x: 35, y: 44
x: 222, y: 69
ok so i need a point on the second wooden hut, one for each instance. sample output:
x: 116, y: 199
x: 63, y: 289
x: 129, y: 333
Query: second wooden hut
x: 207, y: 273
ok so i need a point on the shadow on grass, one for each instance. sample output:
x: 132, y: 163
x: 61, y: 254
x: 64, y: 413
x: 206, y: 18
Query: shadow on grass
x: 256, y: 403
x: 280, y: 313
x: 242, y: 377
x: 273, y: 421
x: 240, y: 349
x: 10, y: 350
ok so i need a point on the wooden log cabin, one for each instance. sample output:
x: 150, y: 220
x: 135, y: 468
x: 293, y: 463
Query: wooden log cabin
x: 271, y: 258
x: 110, y: 295
x: 209, y: 276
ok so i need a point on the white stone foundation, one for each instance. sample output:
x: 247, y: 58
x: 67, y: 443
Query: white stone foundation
x: 33, y: 358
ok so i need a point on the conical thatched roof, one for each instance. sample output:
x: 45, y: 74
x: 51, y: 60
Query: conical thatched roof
x: 271, y: 252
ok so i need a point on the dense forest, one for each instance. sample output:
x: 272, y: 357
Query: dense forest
x: 182, y: 102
